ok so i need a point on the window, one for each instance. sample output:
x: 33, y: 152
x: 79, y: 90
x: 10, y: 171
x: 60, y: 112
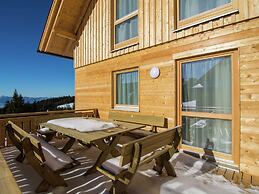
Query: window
x: 126, y: 23
x: 207, y: 104
x: 195, y: 11
x: 126, y: 90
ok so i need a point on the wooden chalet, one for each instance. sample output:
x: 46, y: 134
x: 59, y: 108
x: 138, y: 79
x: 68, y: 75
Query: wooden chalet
x: 194, y: 62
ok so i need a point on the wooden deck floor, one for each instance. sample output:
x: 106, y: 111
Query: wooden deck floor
x: 7, y: 181
x: 193, y: 174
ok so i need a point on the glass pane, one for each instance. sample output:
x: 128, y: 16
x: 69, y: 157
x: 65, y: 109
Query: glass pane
x: 126, y: 30
x: 125, y: 7
x: 127, y: 88
x: 212, y: 134
x: 206, y: 85
x: 189, y: 8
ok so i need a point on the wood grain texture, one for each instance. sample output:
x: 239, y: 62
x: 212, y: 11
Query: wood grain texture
x: 7, y: 183
x: 157, y: 22
x: 159, y: 96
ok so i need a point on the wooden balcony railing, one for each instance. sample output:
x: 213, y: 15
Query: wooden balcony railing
x: 30, y: 121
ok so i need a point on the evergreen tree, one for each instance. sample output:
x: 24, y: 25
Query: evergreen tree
x: 16, y: 104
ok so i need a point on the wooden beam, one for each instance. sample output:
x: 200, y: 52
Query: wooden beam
x: 65, y: 34
x: 82, y: 15
x: 54, y: 24
x: 68, y: 47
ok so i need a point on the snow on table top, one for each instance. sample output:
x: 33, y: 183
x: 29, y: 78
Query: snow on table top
x: 82, y: 124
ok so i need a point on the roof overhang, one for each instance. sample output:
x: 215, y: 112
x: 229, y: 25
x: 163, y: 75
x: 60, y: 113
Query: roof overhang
x: 60, y: 33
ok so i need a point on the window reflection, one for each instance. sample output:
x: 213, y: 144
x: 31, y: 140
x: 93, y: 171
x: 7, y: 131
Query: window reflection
x: 211, y: 134
x: 206, y: 85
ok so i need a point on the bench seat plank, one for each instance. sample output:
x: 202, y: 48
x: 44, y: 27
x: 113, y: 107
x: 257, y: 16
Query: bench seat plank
x: 55, y: 159
x: 113, y: 165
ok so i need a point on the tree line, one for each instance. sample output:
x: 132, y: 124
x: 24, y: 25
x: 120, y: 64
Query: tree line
x: 18, y: 105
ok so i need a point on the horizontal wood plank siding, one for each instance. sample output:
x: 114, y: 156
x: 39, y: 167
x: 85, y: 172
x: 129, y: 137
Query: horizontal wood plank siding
x: 249, y: 86
x: 158, y: 96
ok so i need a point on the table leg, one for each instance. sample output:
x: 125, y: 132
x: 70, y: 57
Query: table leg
x: 106, y: 150
x: 50, y: 136
x: 103, y: 146
x: 68, y: 145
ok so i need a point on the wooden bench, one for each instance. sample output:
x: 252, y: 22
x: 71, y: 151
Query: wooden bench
x: 159, y: 147
x: 47, y: 160
x: 149, y: 120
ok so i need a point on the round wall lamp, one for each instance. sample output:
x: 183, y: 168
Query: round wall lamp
x: 154, y: 72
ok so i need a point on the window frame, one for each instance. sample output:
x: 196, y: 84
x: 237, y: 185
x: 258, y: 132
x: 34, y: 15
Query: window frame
x: 205, y: 16
x: 123, y: 107
x: 115, y: 22
x: 233, y: 117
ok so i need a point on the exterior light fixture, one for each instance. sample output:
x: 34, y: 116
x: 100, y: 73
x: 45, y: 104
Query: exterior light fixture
x: 154, y: 72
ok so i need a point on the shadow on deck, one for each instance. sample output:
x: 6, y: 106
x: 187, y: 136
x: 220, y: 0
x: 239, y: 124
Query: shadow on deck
x: 194, y: 176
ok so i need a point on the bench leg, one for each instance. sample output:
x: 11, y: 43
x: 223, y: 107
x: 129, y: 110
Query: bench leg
x: 43, y: 187
x: 118, y: 188
x: 20, y: 158
x: 168, y: 166
x: 159, y: 165
x: 163, y: 162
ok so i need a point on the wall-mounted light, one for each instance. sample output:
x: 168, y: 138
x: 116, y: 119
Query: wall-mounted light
x: 154, y: 72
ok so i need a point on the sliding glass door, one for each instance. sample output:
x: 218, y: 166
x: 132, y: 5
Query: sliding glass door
x: 206, y: 102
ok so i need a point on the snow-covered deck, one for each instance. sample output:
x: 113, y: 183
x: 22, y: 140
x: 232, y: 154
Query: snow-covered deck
x: 195, y: 176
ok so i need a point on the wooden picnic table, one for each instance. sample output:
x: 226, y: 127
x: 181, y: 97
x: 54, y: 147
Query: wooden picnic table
x: 105, y: 140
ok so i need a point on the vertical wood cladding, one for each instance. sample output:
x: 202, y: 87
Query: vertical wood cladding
x: 156, y: 25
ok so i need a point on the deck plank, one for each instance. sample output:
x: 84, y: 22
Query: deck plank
x: 237, y: 177
x: 229, y: 174
x: 255, y: 180
x: 7, y: 181
x: 246, y: 180
x: 221, y: 171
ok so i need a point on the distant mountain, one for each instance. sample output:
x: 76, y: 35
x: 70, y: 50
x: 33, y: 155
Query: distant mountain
x: 3, y: 100
x: 30, y: 100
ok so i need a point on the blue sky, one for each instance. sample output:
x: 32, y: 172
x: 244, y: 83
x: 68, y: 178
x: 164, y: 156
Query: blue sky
x: 21, y: 66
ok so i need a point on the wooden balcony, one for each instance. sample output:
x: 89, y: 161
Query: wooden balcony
x: 193, y: 174
x: 30, y: 121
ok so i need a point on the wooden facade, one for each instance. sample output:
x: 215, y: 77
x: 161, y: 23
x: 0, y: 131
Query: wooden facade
x: 163, y: 43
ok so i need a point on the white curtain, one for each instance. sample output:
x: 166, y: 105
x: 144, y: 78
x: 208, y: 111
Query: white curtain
x: 206, y: 87
x: 127, y: 30
x: 189, y: 8
x: 125, y: 7
x: 127, y: 88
